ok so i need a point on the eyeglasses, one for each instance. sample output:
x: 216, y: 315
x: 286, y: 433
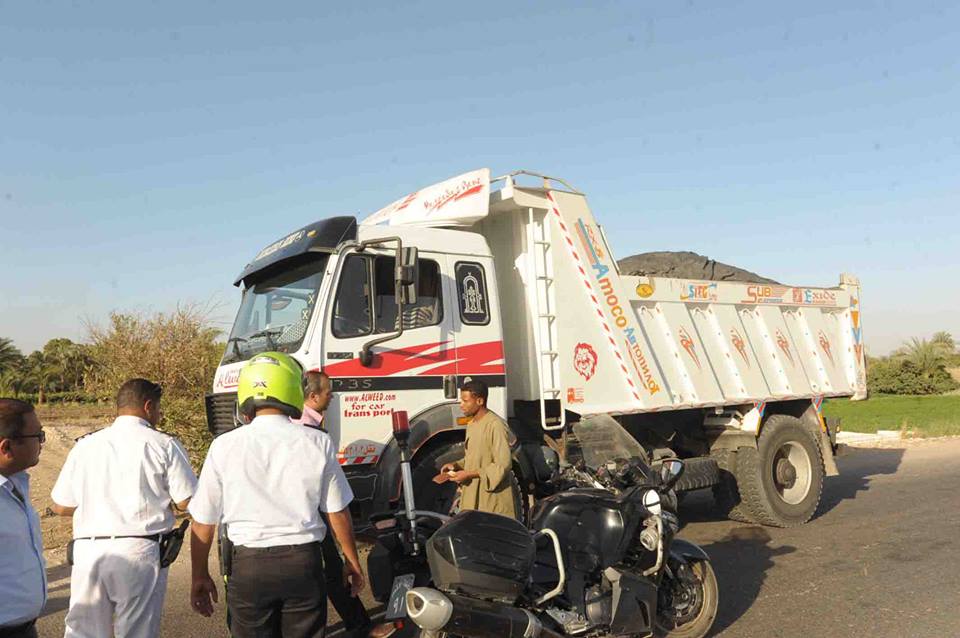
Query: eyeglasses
x: 40, y: 436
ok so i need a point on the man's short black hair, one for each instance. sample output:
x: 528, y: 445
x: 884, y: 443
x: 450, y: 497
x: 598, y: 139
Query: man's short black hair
x: 135, y: 392
x: 313, y: 381
x: 476, y: 388
x: 12, y: 422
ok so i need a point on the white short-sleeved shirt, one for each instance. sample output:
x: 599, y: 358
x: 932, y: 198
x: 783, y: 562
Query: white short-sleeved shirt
x: 122, y: 480
x: 268, y: 481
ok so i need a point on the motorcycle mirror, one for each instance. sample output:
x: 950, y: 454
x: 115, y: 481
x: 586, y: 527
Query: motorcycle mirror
x: 551, y: 458
x: 670, y: 472
x: 401, y: 426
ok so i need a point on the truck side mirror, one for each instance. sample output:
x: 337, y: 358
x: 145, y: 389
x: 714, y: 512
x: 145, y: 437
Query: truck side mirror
x: 406, y: 276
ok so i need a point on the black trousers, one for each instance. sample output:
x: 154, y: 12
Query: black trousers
x: 351, y: 610
x: 26, y: 630
x: 277, y: 592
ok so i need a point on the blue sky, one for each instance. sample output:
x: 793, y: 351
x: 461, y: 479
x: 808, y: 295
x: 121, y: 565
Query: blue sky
x: 149, y: 151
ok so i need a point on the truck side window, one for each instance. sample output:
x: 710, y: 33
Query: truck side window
x: 351, y: 309
x: 428, y: 311
x: 472, y: 294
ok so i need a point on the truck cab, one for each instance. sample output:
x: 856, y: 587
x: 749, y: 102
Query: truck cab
x: 329, y: 295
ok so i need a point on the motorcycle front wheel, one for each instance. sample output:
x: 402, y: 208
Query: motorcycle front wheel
x: 690, y: 603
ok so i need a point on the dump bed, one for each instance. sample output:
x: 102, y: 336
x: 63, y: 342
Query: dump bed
x: 577, y: 331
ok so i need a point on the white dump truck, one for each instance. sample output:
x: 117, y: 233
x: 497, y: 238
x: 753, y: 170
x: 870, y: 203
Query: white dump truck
x: 511, y: 281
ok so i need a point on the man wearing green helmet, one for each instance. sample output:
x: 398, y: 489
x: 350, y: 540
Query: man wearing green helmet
x: 267, y: 483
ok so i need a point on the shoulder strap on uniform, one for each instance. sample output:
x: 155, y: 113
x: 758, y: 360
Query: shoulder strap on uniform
x: 83, y: 436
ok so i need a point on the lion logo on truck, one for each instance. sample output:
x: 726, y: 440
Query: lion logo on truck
x: 585, y: 360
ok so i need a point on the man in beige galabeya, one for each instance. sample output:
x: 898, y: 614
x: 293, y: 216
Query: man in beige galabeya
x: 484, y: 474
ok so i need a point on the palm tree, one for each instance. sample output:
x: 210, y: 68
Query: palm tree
x: 944, y: 340
x: 9, y: 354
x: 38, y: 372
x: 12, y: 381
x: 59, y: 354
x: 926, y: 356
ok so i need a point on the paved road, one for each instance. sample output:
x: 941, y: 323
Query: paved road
x: 880, y: 559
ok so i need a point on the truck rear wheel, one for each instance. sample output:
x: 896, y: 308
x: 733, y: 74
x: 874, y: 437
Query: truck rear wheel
x: 726, y: 495
x: 781, y: 481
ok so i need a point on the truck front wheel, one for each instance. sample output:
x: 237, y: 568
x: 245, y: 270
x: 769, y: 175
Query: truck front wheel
x: 429, y: 496
x: 781, y: 481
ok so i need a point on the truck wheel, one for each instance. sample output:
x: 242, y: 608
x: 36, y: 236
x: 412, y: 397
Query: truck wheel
x: 726, y: 496
x: 698, y: 472
x: 429, y: 496
x: 781, y: 481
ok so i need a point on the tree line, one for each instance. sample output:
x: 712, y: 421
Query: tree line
x: 920, y: 366
x: 58, y: 371
x: 180, y: 350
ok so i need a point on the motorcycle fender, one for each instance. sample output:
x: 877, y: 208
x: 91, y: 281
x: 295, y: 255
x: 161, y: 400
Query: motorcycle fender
x: 687, y: 552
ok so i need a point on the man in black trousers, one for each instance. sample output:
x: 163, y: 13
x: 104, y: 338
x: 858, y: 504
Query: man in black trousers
x: 317, y: 392
x: 268, y: 483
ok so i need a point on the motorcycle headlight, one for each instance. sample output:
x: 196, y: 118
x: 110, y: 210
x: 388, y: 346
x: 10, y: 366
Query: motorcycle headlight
x: 651, y: 501
x: 649, y: 538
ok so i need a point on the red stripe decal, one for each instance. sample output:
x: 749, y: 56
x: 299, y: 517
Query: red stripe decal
x: 474, y: 358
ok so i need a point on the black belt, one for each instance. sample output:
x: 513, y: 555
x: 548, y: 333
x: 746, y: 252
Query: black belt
x: 241, y: 550
x: 149, y: 537
x: 16, y: 630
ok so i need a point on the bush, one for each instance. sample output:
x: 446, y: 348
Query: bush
x: 902, y: 376
x: 177, y: 350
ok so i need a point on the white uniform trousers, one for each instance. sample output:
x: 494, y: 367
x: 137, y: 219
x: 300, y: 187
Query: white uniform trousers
x: 116, y: 588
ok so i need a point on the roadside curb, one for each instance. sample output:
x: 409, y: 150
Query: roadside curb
x: 886, y: 438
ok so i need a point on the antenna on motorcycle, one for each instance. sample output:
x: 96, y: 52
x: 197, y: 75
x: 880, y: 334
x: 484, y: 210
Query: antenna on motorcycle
x: 401, y: 426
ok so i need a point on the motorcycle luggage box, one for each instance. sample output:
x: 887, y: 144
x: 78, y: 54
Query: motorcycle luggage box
x: 483, y: 555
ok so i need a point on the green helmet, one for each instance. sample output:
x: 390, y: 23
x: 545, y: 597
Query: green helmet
x: 271, y: 380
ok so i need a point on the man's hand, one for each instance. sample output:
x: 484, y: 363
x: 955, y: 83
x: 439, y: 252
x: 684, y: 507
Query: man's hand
x: 203, y: 593
x: 342, y: 527
x: 202, y: 588
x: 61, y: 510
x: 353, y: 578
x: 463, y: 476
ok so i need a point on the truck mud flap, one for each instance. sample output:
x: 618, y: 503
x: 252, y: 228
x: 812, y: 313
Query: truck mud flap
x: 698, y: 472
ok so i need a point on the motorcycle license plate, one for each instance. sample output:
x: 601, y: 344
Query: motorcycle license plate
x: 397, y: 608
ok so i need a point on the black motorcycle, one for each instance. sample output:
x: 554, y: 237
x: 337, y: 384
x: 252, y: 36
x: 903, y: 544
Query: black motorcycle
x: 600, y: 557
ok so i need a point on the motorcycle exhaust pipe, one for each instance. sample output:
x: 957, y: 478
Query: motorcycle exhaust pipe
x: 434, y: 612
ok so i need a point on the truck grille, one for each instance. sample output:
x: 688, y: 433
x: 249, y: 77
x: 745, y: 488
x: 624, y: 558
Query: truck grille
x: 221, y: 410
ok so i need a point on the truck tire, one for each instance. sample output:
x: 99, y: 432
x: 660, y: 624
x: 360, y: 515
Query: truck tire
x: 698, y: 472
x: 428, y: 495
x: 445, y: 498
x: 726, y: 496
x: 781, y: 481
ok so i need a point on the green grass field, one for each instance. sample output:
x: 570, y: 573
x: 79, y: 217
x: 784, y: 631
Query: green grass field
x: 921, y: 416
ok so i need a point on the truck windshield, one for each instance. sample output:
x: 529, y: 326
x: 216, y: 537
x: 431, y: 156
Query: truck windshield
x: 276, y: 310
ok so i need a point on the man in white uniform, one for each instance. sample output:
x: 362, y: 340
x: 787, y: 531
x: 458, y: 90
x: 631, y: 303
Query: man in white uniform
x: 268, y: 482
x: 119, y: 483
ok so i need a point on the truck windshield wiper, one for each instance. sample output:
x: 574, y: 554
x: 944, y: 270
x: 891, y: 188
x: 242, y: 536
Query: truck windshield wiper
x: 236, y: 348
x: 268, y: 333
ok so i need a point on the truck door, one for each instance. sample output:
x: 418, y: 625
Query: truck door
x: 477, y: 322
x: 405, y: 373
